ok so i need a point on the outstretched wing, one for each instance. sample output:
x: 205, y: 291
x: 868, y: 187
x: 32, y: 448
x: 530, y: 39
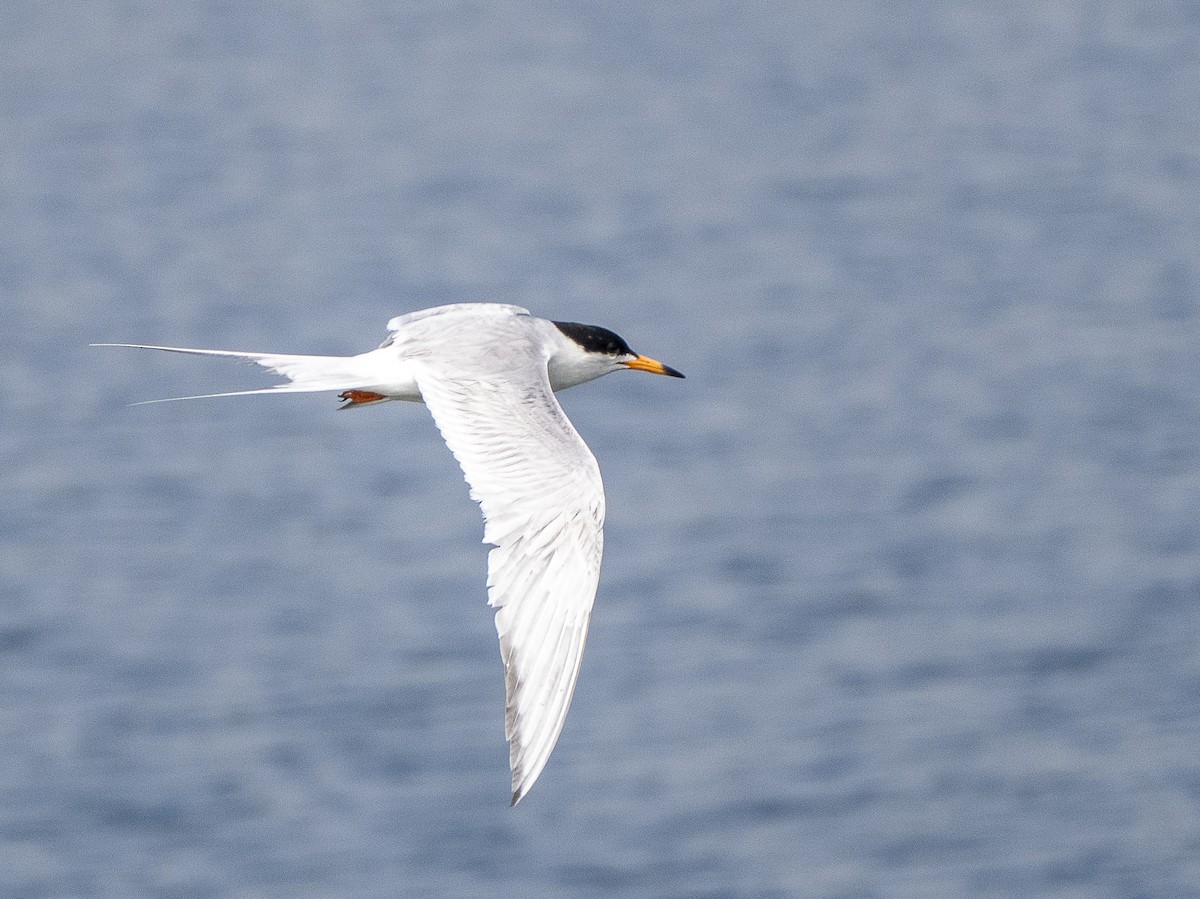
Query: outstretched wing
x: 543, y: 506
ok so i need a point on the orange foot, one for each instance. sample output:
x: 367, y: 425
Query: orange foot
x: 359, y: 397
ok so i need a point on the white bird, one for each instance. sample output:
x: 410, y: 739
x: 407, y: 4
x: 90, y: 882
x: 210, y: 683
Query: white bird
x: 488, y: 373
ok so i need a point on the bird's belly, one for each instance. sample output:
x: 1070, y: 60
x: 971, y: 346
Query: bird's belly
x: 400, y: 390
x: 389, y: 375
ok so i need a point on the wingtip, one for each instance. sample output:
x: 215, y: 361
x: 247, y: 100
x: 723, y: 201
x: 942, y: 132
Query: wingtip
x: 520, y: 791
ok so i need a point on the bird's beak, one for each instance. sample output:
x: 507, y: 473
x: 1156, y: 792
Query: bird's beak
x: 645, y: 363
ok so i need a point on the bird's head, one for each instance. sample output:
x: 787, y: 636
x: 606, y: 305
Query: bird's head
x: 589, y: 351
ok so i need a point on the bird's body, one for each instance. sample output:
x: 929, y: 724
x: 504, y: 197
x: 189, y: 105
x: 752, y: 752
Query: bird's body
x: 488, y: 373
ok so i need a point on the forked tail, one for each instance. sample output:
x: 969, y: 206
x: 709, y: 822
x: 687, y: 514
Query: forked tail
x: 305, y: 374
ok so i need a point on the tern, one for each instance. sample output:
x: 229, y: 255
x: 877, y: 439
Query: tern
x: 488, y: 373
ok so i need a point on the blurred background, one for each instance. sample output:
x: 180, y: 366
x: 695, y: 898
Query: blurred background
x: 901, y: 587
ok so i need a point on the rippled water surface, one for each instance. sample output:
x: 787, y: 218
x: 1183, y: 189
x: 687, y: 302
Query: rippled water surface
x: 901, y: 587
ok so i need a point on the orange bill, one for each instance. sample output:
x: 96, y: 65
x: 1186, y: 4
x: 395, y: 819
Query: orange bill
x: 645, y: 363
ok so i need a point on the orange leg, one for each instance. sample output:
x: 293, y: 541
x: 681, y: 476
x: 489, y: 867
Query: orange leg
x: 359, y: 397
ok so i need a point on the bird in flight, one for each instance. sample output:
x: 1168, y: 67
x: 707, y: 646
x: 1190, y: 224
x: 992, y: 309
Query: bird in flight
x: 488, y: 373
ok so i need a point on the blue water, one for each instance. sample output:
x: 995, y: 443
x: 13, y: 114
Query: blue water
x: 902, y: 586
